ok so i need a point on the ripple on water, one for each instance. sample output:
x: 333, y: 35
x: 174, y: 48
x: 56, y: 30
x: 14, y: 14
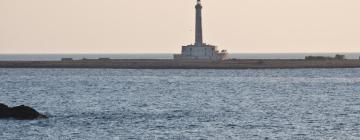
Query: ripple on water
x: 183, y: 104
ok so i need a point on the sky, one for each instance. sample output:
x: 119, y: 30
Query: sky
x: 163, y: 26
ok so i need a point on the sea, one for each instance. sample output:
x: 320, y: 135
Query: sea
x: 147, y: 104
x: 57, y: 57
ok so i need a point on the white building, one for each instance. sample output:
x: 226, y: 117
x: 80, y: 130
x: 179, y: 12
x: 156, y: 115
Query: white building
x: 200, y: 50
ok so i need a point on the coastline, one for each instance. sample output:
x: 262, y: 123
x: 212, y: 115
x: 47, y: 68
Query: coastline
x: 185, y: 64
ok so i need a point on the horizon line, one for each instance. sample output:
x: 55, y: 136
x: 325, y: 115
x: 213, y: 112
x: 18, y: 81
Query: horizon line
x: 172, y: 53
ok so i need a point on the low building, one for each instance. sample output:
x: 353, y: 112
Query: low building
x: 339, y: 57
x: 205, y: 52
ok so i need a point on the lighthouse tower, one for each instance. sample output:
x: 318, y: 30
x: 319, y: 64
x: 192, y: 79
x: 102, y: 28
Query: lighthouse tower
x: 199, y: 50
x: 198, y: 25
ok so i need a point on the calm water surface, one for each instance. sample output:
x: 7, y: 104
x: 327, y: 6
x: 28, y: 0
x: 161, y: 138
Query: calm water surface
x: 103, y: 104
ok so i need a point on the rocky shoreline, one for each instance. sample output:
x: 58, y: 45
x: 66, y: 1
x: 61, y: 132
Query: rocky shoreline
x: 177, y: 64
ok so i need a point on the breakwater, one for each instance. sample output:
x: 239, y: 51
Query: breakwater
x: 194, y: 64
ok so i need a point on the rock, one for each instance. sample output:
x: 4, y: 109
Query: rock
x: 25, y: 113
x: 5, y: 111
x: 20, y: 113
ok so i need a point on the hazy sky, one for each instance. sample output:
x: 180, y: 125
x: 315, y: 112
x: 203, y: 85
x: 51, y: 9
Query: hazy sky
x: 162, y: 26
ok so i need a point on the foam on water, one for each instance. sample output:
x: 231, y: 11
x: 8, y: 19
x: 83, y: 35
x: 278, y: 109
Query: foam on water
x: 184, y: 104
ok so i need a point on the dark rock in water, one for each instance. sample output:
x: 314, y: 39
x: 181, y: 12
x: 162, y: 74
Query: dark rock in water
x: 5, y: 111
x: 25, y: 113
x: 20, y: 112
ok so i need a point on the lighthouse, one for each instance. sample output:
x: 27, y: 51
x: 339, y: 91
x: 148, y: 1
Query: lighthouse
x: 198, y: 25
x: 200, y: 50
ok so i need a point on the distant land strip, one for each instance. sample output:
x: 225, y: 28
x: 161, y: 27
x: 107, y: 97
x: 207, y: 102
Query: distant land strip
x: 193, y: 64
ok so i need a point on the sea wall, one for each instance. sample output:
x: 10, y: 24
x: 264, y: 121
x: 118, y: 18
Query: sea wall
x: 177, y: 64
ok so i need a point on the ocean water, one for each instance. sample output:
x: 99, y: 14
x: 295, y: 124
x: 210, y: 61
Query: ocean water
x: 57, y: 57
x: 111, y: 104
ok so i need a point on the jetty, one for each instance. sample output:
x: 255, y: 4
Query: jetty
x: 185, y: 64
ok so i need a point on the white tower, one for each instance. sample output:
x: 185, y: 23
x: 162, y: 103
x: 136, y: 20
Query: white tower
x: 198, y: 25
